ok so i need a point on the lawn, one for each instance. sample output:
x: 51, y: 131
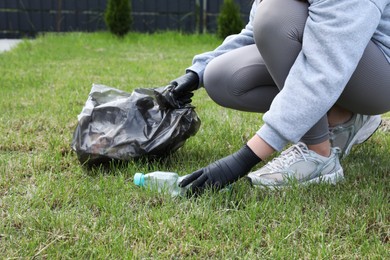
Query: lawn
x: 52, y: 207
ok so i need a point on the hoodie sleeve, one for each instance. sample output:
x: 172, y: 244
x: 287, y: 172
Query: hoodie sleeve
x: 245, y: 37
x: 335, y: 37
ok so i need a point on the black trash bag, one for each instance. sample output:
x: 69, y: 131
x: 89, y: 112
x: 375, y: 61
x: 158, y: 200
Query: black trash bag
x: 115, y: 125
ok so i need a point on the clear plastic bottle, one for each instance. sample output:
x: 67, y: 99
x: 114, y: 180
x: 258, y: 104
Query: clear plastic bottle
x: 162, y: 182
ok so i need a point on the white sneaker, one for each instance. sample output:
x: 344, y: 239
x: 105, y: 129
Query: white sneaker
x: 355, y: 131
x: 299, y: 164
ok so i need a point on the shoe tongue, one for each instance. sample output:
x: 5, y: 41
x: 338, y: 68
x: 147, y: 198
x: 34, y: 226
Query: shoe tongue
x: 288, y: 156
x: 303, y: 147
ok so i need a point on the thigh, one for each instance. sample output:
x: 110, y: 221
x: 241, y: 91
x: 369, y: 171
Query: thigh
x: 240, y: 80
x: 368, y: 90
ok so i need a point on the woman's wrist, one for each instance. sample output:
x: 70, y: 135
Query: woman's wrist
x: 260, y: 147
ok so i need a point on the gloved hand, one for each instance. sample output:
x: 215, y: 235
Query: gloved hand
x: 221, y: 173
x: 184, y: 86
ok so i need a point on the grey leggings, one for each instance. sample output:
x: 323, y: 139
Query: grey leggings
x: 248, y: 78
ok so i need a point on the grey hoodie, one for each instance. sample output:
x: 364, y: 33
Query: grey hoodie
x: 336, y: 35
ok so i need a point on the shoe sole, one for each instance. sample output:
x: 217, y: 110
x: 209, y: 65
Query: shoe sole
x: 364, y: 133
x: 332, y: 178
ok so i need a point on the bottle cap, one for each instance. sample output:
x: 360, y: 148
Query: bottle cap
x: 139, y: 179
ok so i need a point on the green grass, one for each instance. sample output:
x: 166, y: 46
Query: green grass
x: 51, y: 207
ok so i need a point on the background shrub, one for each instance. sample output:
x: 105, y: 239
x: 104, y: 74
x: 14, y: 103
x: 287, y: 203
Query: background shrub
x: 118, y: 17
x: 229, y: 19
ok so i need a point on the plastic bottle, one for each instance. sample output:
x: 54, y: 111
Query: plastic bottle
x: 161, y: 181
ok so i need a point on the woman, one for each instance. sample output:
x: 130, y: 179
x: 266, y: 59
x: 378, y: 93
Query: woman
x: 317, y: 69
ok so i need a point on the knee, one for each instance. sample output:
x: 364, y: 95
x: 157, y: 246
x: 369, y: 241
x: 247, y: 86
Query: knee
x: 279, y: 21
x: 212, y: 81
x: 264, y: 24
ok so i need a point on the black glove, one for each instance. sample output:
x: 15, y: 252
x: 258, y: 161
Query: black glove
x: 184, y: 85
x: 221, y: 173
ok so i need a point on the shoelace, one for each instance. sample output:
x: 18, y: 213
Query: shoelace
x: 287, y: 157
